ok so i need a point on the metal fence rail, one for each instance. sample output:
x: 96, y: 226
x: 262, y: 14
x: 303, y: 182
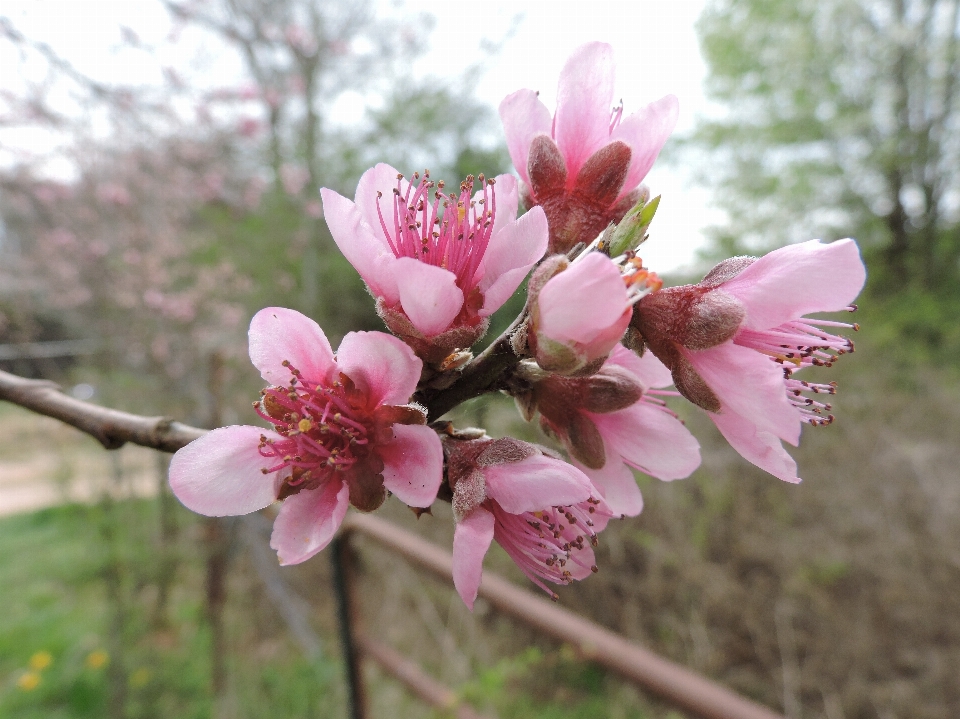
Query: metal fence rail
x: 680, y: 687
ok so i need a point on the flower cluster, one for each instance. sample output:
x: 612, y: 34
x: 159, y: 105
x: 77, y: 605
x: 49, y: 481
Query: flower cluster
x: 592, y: 356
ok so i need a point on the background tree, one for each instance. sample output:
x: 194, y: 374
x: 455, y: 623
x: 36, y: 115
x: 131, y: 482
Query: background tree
x: 841, y: 117
x: 191, y: 177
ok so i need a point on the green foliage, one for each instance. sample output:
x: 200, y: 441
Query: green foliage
x: 84, y: 580
x: 838, y: 122
x: 563, y: 687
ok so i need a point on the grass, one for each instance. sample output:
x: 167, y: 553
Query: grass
x: 80, y: 636
x: 81, y: 588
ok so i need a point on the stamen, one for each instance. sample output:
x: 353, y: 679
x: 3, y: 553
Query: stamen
x: 452, y: 232
x: 320, y: 431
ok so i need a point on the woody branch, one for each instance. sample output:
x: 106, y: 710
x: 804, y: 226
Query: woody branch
x: 111, y: 427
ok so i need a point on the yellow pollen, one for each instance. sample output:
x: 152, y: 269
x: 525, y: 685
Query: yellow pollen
x: 783, y: 358
x: 304, y: 425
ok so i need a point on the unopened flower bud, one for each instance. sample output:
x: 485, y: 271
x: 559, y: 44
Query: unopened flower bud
x: 578, y: 314
x: 562, y: 402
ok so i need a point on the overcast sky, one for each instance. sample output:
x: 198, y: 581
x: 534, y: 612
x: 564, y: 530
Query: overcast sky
x: 654, y: 42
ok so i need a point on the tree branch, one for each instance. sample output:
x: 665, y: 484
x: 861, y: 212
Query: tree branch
x: 111, y: 427
x: 485, y: 373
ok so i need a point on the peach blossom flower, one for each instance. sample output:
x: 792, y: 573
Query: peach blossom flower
x: 342, y: 434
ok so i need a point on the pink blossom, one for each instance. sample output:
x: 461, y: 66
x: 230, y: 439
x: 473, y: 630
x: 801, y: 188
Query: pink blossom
x: 734, y: 340
x: 583, y: 165
x: 110, y: 193
x: 342, y: 434
x: 614, y: 421
x: 579, y: 311
x: 300, y: 39
x: 438, y: 264
x: 248, y: 92
x: 248, y: 127
x: 253, y: 192
x: 541, y: 510
x: 294, y: 178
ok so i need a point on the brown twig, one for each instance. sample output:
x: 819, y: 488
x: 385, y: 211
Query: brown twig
x: 485, y: 373
x: 111, y: 427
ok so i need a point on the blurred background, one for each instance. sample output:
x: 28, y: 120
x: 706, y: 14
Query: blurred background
x: 159, y: 170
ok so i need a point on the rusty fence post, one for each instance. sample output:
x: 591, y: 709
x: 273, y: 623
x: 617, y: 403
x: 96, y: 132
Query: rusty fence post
x: 347, y: 616
x: 413, y: 677
x: 696, y: 694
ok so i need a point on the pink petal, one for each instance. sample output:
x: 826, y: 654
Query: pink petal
x: 508, y: 201
x: 646, y: 131
x: 524, y: 117
x: 749, y: 384
x: 648, y: 369
x: 510, y: 255
x: 429, y: 295
x: 761, y: 448
x: 578, y: 303
x: 307, y: 521
x: 798, y: 279
x: 584, y: 97
x: 381, y: 366
x: 650, y: 439
x: 607, y: 337
x: 219, y: 474
x: 278, y: 334
x: 581, y: 562
x: 413, y: 464
x: 617, y: 486
x: 535, y: 484
x: 364, y: 245
x: 381, y: 178
x: 471, y: 540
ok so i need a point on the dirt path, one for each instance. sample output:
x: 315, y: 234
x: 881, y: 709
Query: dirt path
x: 44, y: 462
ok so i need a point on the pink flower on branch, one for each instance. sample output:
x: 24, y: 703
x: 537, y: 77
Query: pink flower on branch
x: 542, y: 511
x: 583, y: 164
x: 734, y: 340
x: 615, y: 421
x: 579, y: 310
x: 342, y: 434
x: 438, y: 264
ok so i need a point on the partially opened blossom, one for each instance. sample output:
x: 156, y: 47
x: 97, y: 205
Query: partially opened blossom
x: 734, y: 341
x: 613, y: 421
x: 343, y: 434
x: 541, y: 510
x: 583, y: 164
x: 438, y: 264
x: 579, y: 310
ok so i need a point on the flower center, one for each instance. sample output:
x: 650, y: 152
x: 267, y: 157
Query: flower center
x: 450, y: 231
x: 325, y: 430
x: 543, y: 543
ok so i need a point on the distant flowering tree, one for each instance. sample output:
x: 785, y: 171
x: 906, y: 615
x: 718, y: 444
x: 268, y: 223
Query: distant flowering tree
x: 121, y: 241
x: 596, y: 345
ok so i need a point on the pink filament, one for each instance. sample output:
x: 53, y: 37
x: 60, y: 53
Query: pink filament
x: 450, y: 232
